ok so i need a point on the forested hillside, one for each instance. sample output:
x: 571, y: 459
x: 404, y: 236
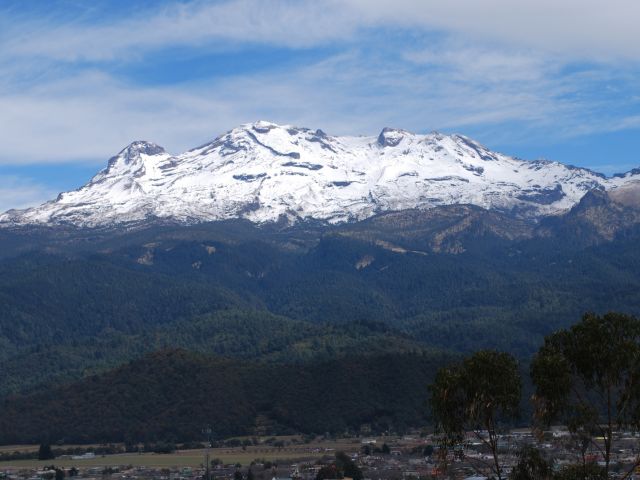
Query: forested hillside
x: 171, y: 394
x: 73, y: 303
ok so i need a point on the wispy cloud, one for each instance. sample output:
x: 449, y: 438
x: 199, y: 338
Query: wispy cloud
x: 543, y: 69
x: 90, y: 115
x: 19, y: 192
x: 296, y: 24
x: 584, y: 28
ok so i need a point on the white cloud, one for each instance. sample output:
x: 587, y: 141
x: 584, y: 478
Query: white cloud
x: 19, y: 192
x: 484, y: 64
x: 496, y: 62
x: 586, y: 29
x: 92, y: 115
x: 288, y: 23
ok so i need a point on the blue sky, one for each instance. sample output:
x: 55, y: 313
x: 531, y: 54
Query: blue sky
x: 82, y: 79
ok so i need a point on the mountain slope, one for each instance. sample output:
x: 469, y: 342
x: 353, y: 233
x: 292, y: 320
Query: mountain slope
x: 267, y: 173
x: 170, y: 394
x: 75, y: 301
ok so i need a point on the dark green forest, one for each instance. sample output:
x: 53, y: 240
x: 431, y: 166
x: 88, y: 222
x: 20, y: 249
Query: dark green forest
x: 169, y: 395
x: 277, y: 301
x: 64, y: 315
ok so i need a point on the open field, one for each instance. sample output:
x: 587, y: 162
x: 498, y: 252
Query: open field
x: 192, y: 458
x: 18, y: 448
x: 34, y: 448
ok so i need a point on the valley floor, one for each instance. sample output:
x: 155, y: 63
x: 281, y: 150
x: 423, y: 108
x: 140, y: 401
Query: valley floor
x: 379, y: 458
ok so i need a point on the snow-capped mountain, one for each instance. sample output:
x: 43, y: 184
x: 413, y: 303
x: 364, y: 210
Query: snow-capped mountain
x: 265, y: 172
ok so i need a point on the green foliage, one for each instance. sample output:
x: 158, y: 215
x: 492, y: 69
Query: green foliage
x: 342, y: 467
x: 168, y: 396
x: 160, y: 447
x: 348, y: 466
x: 281, y: 298
x: 91, y: 305
x: 474, y: 395
x: 45, y: 453
x: 247, y: 334
x: 588, y: 376
x: 328, y: 472
x: 531, y: 466
x: 447, y: 401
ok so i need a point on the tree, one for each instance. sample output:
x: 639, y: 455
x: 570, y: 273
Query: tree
x: 475, y: 396
x: 428, y: 451
x: 347, y: 467
x: 45, y: 453
x: 342, y: 467
x: 589, y: 378
x: 328, y: 472
x: 531, y: 466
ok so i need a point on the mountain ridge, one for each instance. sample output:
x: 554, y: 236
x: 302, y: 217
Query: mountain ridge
x: 455, y: 277
x: 267, y: 173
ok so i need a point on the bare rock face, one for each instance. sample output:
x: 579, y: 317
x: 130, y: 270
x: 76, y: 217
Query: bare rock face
x: 599, y: 217
x: 265, y: 172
